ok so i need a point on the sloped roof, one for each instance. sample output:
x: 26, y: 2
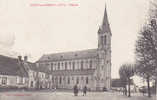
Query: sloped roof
x: 69, y: 55
x: 32, y: 66
x: 44, y: 69
x: 11, y: 66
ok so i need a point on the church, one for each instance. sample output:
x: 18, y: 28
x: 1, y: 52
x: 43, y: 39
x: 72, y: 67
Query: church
x: 91, y: 67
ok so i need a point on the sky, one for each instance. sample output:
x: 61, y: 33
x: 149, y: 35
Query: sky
x: 37, y: 30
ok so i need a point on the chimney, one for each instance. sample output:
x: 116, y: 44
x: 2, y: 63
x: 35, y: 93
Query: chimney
x: 20, y: 58
x: 25, y: 58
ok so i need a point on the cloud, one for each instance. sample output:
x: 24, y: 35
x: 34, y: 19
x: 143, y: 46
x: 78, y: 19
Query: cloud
x: 7, y: 41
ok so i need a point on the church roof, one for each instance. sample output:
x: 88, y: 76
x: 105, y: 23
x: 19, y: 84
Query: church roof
x: 11, y: 66
x: 90, y: 53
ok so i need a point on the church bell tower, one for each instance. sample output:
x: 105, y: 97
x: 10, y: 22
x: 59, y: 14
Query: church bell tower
x: 104, y: 54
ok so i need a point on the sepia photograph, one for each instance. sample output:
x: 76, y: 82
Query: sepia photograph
x: 78, y: 49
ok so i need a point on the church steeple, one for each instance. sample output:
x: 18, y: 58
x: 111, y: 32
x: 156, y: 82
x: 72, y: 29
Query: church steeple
x: 104, y: 32
x: 105, y: 27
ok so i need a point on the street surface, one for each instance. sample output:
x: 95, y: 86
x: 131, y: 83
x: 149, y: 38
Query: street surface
x: 60, y: 95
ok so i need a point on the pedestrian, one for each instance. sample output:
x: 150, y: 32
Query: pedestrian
x: 75, y: 90
x: 84, y: 90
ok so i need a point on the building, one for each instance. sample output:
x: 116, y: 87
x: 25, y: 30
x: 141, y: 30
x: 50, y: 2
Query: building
x: 38, y: 77
x: 91, y: 67
x: 44, y: 78
x: 12, y: 73
x: 117, y: 84
x: 32, y: 71
x: 18, y: 73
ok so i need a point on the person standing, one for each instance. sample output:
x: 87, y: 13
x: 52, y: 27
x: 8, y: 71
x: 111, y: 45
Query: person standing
x: 75, y: 90
x: 84, y: 90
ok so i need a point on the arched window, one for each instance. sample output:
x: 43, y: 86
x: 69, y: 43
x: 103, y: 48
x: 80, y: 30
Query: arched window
x: 73, y: 65
x: 90, y: 64
x: 105, y: 39
x: 64, y: 78
x: 86, y: 80
x: 62, y: 66
x: 77, y: 80
x: 52, y: 79
x: 51, y: 66
x: 81, y: 65
x: 68, y: 80
x: 58, y: 65
x: 60, y: 80
x: 72, y: 78
x: 55, y: 66
x: 102, y: 40
x: 82, y: 78
x: 65, y: 65
x: 69, y: 65
x: 56, y: 79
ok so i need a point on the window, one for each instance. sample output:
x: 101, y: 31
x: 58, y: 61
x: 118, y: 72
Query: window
x: 21, y: 80
x: 51, y: 66
x: 72, y: 78
x: 82, y: 78
x: 107, y: 61
x: 40, y: 64
x: 31, y: 83
x: 77, y: 80
x: 58, y: 66
x: 102, y: 38
x: 52, y: 79
x: 90, y: 64
x: 56, y: 79
x: 81, y: 65
x: 86, y: 80
x: 64, y: 78
x: 34, y: 74
x: 4, y: 80
x: 55, y: 66
x: 65, y: 65
x: 105, y: 40
x: 60, y: 80
x: 62, y: 66
x: 47, y: 64
x: 70, y: 65
x: 73, y: 65
x: 68, y: 80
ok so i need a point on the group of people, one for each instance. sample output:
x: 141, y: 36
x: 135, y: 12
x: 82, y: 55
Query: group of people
x: 76, y: 90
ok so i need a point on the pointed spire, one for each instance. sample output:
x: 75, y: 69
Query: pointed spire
x: 105, y: 27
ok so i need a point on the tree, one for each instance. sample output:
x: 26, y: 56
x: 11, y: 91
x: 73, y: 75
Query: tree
x: 153, y: 26
x: 126, y: 71
x: 123, y: 79
x: 146, y: 48
x: 146, y: 54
